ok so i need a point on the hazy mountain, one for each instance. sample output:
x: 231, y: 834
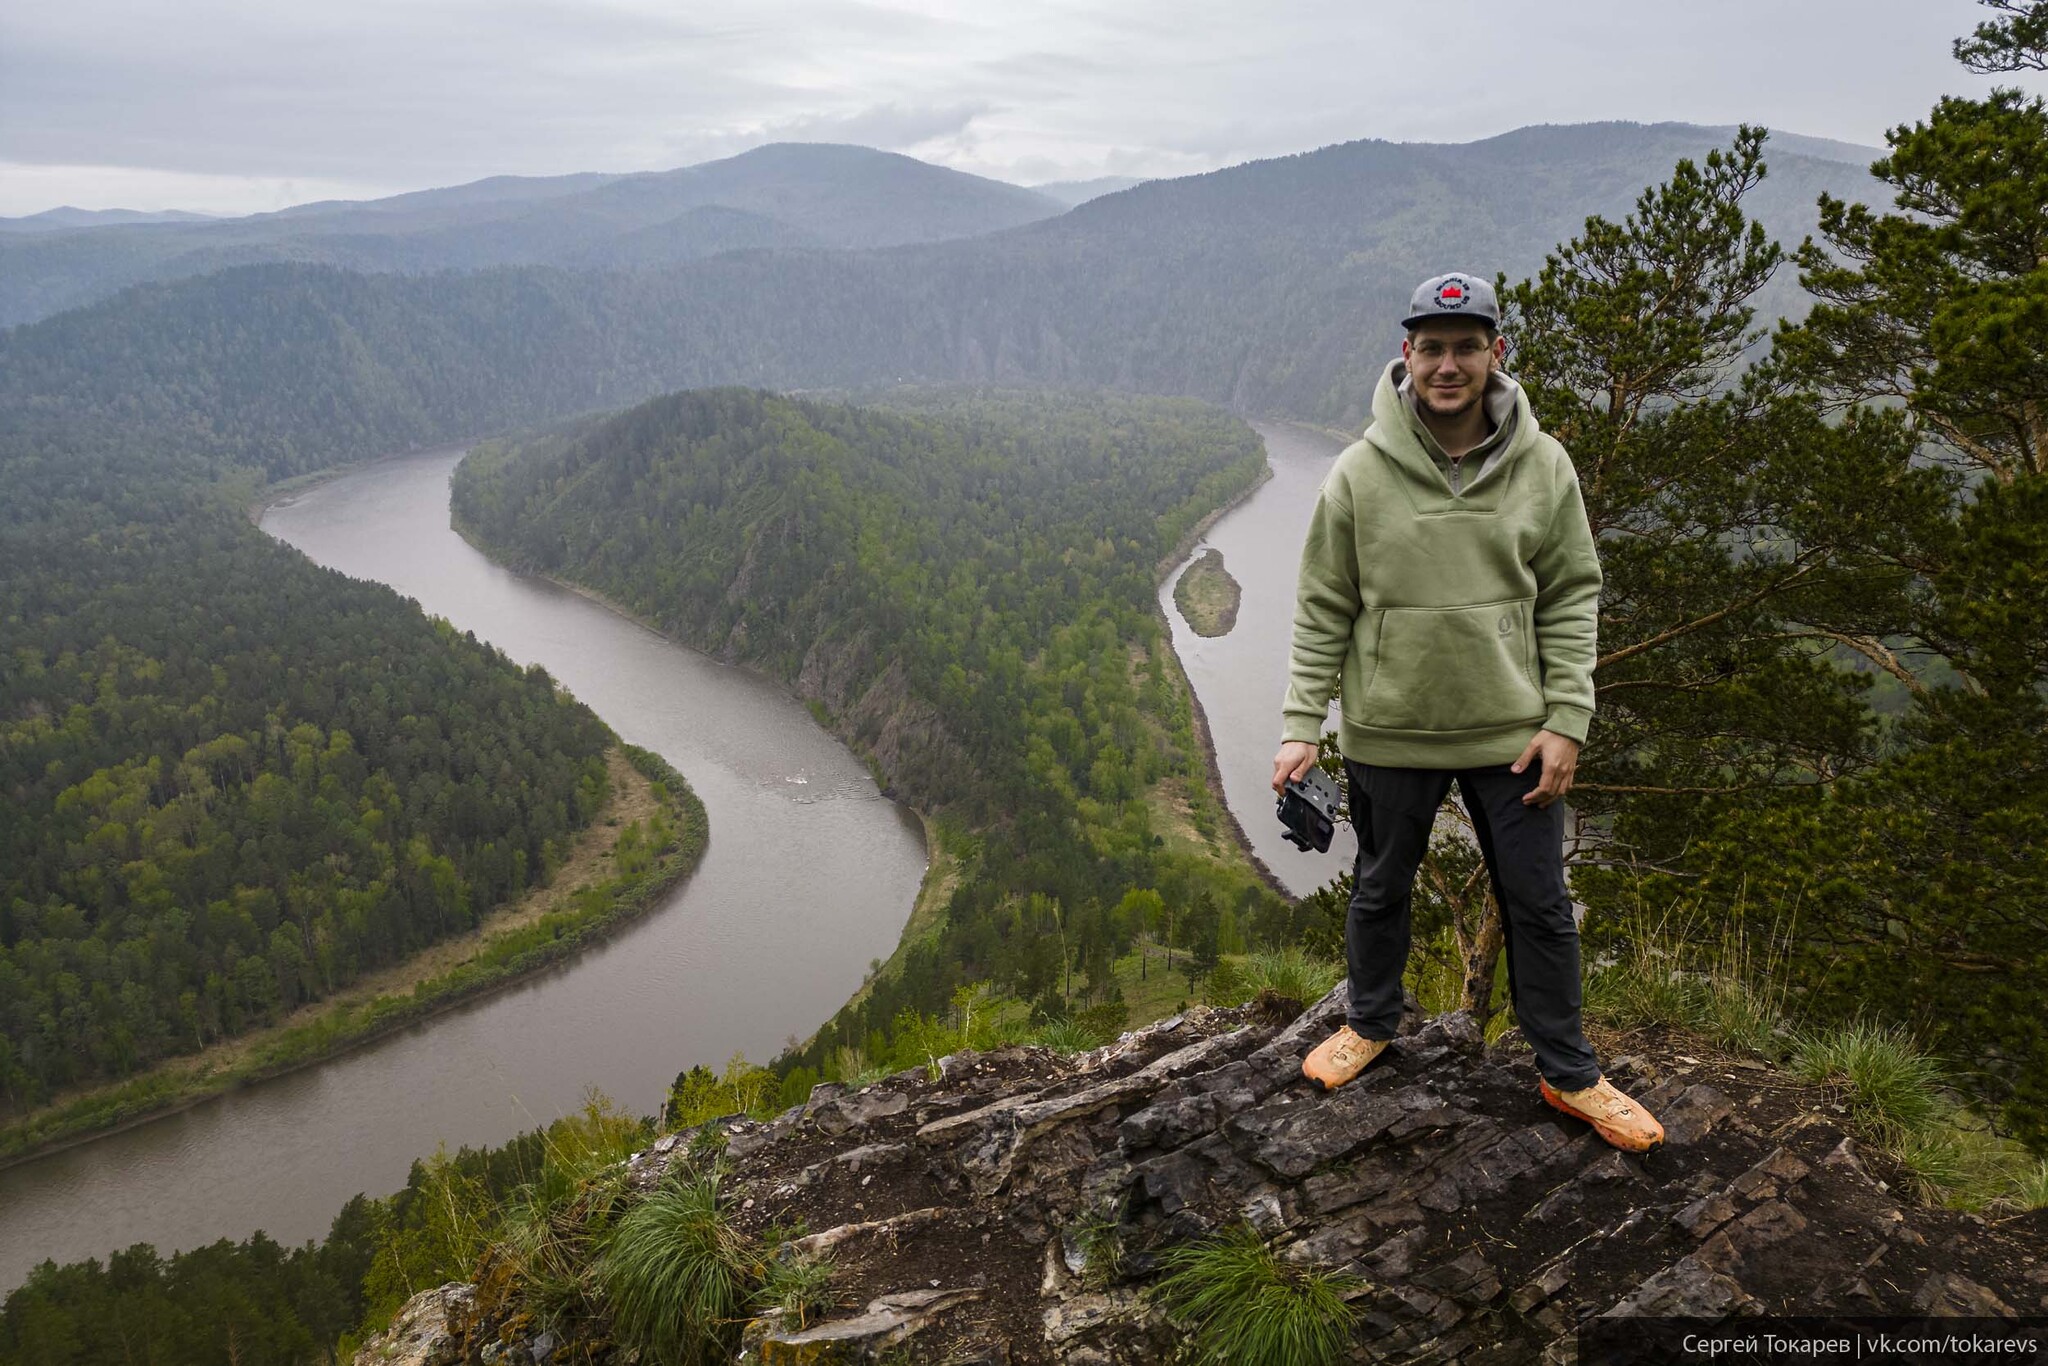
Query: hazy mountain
x: 68, y: 219
x: 1072, y: 192
x: 1272, y: 287
x: 1826, y: 149
x: 810, y: 194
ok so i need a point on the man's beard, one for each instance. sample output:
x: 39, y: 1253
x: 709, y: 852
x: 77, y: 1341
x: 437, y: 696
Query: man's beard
x: 1463, y: 408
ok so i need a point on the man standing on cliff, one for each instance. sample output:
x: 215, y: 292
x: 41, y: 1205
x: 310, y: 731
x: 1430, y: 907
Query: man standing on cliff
x: 1450, y: 577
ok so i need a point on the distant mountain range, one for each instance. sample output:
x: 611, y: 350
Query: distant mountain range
x: 67, y: 219
x: 1272, y: 287
x: 782, y: 195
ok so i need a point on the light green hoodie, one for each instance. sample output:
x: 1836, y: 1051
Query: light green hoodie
x: 1462, y: 622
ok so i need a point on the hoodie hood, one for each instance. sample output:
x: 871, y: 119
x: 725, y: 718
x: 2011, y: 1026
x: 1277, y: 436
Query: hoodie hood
x: 1398, y: 431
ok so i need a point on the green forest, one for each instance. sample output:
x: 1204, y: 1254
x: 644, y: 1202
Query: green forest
x: 235, y: 782
x: 964, y: 581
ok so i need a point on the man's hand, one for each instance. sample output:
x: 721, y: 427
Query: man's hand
x: 1560, y: 757
x: 1295, y: 758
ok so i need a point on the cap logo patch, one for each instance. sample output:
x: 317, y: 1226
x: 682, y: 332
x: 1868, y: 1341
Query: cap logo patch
x: 1451, y: 294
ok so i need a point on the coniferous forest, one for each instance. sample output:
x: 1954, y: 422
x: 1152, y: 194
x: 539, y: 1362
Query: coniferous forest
x: 242, y: 788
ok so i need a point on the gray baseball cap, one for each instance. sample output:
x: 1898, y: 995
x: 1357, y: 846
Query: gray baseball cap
x: 1456, y: 295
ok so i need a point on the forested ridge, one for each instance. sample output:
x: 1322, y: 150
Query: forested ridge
x: 235, y: 782
x: 1256, y: 287
x: 779, y: 195
x: 965, y: 580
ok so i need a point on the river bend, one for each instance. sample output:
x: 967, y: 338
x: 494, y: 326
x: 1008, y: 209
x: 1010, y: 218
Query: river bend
x: 810, y: 874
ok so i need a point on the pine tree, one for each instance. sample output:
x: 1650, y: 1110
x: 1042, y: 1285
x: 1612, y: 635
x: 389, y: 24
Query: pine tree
x: 1916, y: 889
x: 1745, y: 540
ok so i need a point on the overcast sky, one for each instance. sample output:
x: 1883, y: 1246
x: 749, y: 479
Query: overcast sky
x: 242, y: 105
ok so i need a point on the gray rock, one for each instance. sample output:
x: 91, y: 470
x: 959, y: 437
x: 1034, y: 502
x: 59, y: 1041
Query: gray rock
x: 858, y: 1110
x: 1778, y: 1171
x: 1548, y: 1280
x: 427, y: 1330
x: 889, y: 1320
x: 1395, y: 1258
x: 1467, y: 1278
x: 1765, y: 1225
x: 1947, y: 1295
x: 1705, y: 1214
x: 1292, y: 1136
x: 1689, y: 1288
x: 1088, y: 1315
x: 871, y: 1155
x: 1693, y: 1115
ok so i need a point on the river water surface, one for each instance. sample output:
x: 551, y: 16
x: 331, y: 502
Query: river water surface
x: 810, y: 873
x: 1241, y: 678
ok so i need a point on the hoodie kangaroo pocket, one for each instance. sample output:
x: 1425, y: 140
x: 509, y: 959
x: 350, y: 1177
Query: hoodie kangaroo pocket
x: 1457, y: 668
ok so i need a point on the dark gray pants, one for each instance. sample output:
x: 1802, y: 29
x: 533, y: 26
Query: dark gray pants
x: 1393, y: 809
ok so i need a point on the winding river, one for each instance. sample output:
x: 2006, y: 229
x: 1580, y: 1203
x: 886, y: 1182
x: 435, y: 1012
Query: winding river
x: 1241, y: 677
x: 809, y: 875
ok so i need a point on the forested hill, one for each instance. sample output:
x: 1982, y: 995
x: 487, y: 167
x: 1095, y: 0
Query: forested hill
x: 1269, y: 287
x: 965, y: 583
x: 781, y: 195
x: 231, y: 782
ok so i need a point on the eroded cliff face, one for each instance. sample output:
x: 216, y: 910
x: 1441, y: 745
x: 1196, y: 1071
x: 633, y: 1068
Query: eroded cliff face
x: 876, y: 710
x: 961, y: 1211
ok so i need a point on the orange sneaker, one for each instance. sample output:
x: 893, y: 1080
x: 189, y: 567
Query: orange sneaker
x: 1341, y: 1057
x: 1616, y: 1118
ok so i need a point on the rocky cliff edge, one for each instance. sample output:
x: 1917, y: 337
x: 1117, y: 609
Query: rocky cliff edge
x: 961, y: 1211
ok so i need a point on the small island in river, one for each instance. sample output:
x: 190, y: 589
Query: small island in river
x: 1207, y: 596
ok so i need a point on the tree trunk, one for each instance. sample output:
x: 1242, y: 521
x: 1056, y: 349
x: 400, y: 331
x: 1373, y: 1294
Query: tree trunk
x: 1479, y: 949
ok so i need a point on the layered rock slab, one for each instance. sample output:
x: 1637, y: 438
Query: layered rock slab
x: 1021, y: 1200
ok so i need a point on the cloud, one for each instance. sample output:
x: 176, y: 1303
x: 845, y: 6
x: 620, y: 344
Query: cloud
x: 891, y: 127
x: 401, y: 94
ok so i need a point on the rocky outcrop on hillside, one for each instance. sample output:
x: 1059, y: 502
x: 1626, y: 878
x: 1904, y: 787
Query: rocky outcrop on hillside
x: 1013, y: 1208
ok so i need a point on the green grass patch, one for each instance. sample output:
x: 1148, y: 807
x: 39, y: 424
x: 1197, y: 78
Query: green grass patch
x: 1246, y: 1307
x: 1888, y: 1079
x: 1900, y: 1099
x: 676, y: 1276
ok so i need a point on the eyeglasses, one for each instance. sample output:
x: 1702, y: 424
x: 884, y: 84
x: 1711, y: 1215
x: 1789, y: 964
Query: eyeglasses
x: 1432, y: 352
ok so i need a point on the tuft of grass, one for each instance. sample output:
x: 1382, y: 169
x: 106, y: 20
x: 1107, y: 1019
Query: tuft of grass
x: 1292, y: 973
x: 797, y: 1290
x: 853, y: 1066
x: 1732, y: 994
x: 1288, y: 974
x: 676, y: 1275
x: 2029, y: 1188
x: 1102, y: 1249
x: 1068, y: 1036
x: 1244, y: 1305
x: 1900, y: 1098
x: 1888, y: 1078
x: 1738, y: 1015
x: 1935, y: 1157
x: 1436, y: 976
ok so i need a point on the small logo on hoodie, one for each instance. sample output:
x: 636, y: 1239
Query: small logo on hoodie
x: 1503, y: 626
